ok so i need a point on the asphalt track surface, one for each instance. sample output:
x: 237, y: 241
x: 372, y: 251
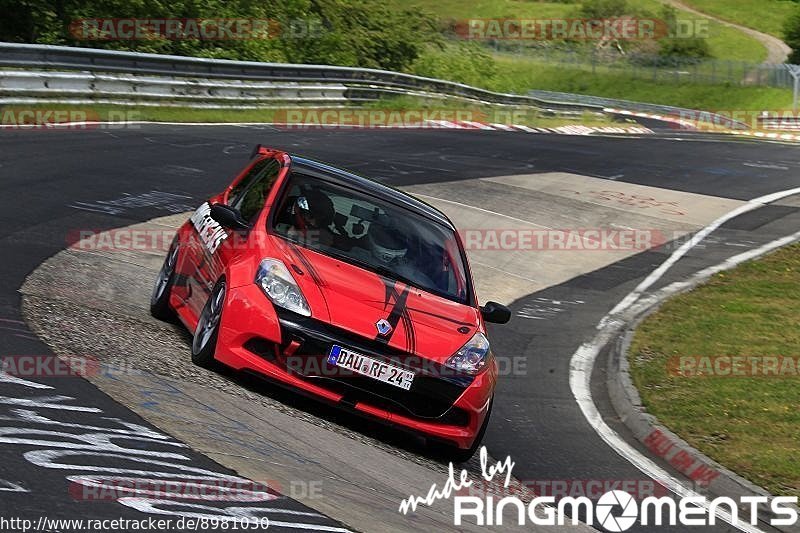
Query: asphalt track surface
x: 52, y: 181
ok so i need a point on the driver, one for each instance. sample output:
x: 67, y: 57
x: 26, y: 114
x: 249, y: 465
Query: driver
x: 312, y: 215
x: 386, y: 246
x: 313, y: 211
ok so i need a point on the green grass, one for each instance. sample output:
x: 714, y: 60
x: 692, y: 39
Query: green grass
x: 724, y: 42
x: 513, y: 74
x: 114, y: 113
x: 484, y: 113
x: 748, y: 424
x: 729, y: 43
x: 763, y: 15
x: 518, y: 76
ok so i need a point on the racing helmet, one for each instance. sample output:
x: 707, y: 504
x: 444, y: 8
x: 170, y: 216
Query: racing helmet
x: 313, y: 209
x: 386, y: 245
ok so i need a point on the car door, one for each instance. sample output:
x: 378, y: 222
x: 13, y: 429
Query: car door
x: 247, y: 195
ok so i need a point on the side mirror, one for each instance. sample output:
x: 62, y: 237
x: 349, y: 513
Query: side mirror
x: 229, y: 217
x: 259, y: 150
x: 496, y: 313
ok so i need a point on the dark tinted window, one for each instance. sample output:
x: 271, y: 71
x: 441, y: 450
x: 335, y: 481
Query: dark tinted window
x: 249, y: 194
x: 374, y: 234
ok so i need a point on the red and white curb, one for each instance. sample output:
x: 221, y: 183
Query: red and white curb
x: 767, y: 135
x: 562, y: 130
x: 662, y: 118
x: 690, y: 125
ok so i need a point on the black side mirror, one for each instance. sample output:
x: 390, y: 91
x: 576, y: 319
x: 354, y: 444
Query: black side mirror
x: 229, y: 217
x: 496, y: 313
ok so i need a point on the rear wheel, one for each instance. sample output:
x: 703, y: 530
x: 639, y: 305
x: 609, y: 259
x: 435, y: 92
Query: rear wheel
x: 159, y: 299
x: 204, y: 343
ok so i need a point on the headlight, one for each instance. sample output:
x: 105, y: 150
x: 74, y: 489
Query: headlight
x: 472, y: 357
x: 280, y: 287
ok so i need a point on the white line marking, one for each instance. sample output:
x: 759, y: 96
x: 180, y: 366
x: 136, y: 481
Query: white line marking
x: 583, y: 359
x: 506, y: 272
x: 654, y: 276
x: 8, y: 486
x: 494, y: 213
x: 515, y: 219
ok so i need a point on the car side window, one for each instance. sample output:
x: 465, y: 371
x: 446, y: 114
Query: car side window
x: 248, y: 195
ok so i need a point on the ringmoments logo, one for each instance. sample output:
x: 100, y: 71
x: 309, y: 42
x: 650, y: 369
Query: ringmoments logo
x: 615, y: 510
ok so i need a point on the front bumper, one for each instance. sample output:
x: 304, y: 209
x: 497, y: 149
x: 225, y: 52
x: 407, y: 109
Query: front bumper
x: 441, y: 404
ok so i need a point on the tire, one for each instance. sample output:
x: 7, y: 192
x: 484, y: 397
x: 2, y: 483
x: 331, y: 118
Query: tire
x: 204, y: 343
x: 159, y: 299
x: 458, y: 455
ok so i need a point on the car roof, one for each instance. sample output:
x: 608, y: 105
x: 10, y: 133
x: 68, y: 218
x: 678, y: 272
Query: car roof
x: 343, y: 177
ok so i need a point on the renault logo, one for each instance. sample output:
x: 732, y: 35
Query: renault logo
x: 384, y: 328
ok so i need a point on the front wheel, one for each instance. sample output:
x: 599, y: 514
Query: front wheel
x: 204, y: 343
x: 159, y: 299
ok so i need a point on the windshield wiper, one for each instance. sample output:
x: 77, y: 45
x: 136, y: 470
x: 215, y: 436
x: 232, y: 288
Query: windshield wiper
x: 389, y: 273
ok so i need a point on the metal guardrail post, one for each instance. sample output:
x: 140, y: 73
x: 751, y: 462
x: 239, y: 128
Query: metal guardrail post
x: 794, y: 72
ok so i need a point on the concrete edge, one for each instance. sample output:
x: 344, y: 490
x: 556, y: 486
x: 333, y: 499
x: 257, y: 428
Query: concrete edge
x: 645, y: 427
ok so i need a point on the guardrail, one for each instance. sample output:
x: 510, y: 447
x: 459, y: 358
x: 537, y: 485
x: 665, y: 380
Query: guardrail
x: 680, y: 113
x: 356, y: 84
x: 125, y: 89
x: 782, y: 123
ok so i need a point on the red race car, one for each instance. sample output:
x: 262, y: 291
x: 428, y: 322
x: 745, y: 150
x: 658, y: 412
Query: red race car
x: 341, y: 287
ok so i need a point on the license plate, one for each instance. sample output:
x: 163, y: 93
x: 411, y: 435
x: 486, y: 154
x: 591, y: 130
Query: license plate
x: 372, y: 368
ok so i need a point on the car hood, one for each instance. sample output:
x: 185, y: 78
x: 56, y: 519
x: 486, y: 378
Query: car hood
x: 355, y: 299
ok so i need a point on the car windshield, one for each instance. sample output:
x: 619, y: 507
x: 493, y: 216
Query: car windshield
x: 376, y: 235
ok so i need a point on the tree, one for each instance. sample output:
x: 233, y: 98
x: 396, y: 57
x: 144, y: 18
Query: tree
x: 683, y: 48
x: 599, y: 9
x: 791, y: 36
x: 341, y: 32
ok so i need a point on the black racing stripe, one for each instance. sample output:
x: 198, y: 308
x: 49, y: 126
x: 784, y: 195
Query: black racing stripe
x: 307, y: 264
x: 442, y: 317
x: 411, y: 336
x: 398, y: 308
